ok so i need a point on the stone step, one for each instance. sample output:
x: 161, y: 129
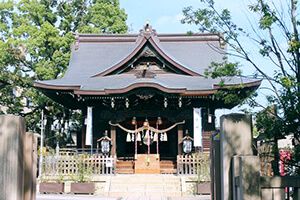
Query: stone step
x: 144, y: 185
x: 159, y: 182
x: 142, y: 195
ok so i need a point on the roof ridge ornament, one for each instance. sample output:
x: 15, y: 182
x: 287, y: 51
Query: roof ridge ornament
x: 147, y: 31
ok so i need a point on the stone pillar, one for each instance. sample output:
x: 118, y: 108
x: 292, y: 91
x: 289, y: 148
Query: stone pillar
x: 30, y: 163
x: 296, y: 194
x: 246, y: 177
x: 12, y: 129
x: 215, y: 167
x: 83, y: 131
x: 113, y: 140
x: 235, y: 139
x: 180, y: 136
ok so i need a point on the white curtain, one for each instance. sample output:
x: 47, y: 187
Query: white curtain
x: 89, y: 127
x: 197, y: 127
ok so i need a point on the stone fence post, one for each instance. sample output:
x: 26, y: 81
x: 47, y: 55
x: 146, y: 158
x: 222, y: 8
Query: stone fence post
x: 18, y: 155
x: 12, y: 129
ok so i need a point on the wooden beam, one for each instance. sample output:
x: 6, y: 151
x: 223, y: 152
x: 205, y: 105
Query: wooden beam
x: 180, y: 136
x: 113, y: 140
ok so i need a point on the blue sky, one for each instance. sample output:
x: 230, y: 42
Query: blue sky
x: 165, y: 15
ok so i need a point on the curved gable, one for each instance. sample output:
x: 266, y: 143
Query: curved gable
x: 148, y: 39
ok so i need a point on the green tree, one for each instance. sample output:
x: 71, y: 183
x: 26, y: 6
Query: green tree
x: 35, y: 40
x: 273, y: 34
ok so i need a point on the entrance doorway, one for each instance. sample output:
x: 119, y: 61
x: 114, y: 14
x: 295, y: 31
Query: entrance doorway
x: 135, y: 149
x: 167, y: 146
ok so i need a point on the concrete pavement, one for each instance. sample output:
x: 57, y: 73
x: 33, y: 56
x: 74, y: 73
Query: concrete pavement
x: 94, y: 197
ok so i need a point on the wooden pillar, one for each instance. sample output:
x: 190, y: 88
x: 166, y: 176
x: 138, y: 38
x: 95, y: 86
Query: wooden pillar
x: 83, y: 131
x: 113, y: 140
x: 180, y: 136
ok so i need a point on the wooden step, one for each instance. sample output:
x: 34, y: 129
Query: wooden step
x: 125, y: 164
x: 167, y: 167
x: 124, y: 171
x: 124, y: 167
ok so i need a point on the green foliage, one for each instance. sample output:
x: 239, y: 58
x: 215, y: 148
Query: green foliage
x: 268, y: 123
x: 84, y: 169
x: 35, y: 40
x: 273, y: 30
x: 203, y: 169
x: 223, y: 69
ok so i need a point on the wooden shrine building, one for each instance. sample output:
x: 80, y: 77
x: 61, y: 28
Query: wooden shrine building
x: 142, y: 88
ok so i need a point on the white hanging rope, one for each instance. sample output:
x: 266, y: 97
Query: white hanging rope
x: 147, y: 128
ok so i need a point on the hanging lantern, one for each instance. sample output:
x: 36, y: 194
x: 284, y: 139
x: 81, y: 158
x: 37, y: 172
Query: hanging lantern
x: 165, y: 102
x: 180, y: 102
x: 112, y: 103
x: 138, y: 137
x: 127, y: 103
x: 128, y: 138
x: 105, y: 146
x: 105, y: 143
x: 151, y: 135
x: 187, y: 144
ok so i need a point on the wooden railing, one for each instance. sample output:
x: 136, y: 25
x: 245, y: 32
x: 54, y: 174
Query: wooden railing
x: 195, y: 164
x: 68, y: 165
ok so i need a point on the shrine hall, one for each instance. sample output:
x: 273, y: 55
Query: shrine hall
x: 146, y: 93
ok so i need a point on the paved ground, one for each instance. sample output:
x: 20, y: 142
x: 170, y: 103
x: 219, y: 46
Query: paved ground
x: 88, y: 197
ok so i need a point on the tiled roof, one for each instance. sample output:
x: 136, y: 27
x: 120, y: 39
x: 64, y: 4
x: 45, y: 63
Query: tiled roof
x: 95, y: 57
